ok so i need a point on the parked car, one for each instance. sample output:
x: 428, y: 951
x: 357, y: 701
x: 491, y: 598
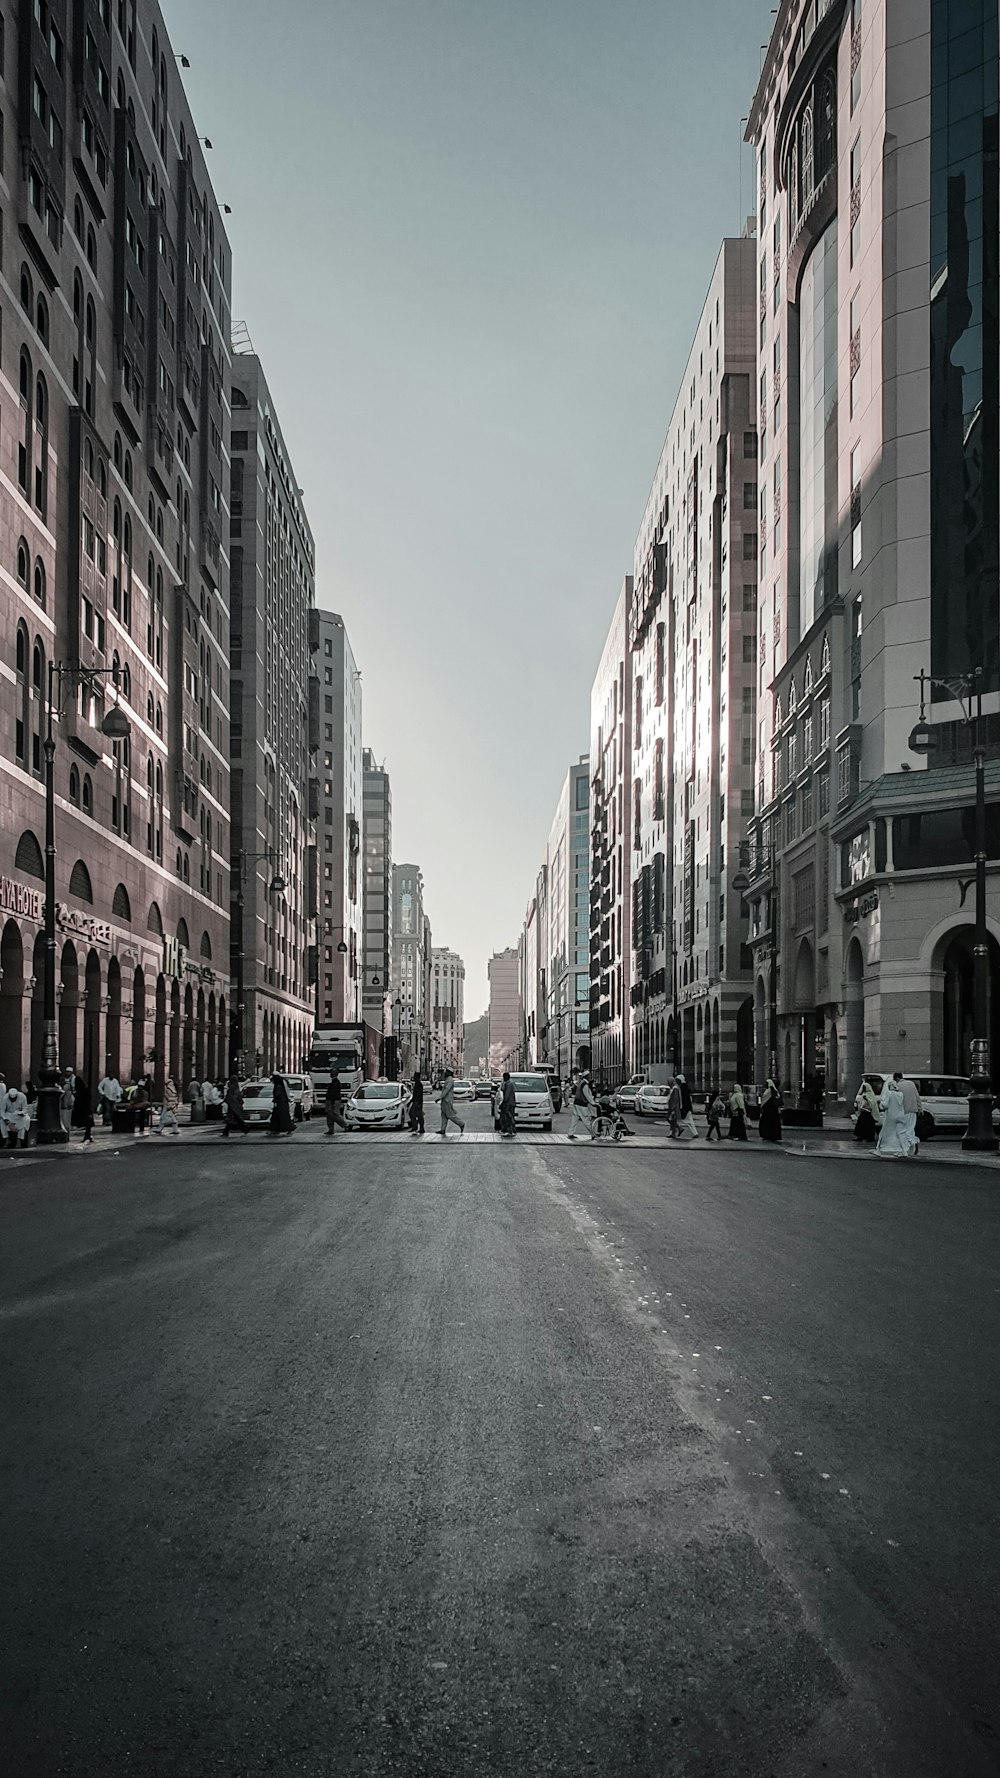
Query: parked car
x: 484, y: 1089
x: 464, y: 1089
x: 300, y: 1094
x: 377, y: 1105
x: 626, y: 1096
x: 258, y: 1102
x: 651, y: 1100
x: 533, y: 1102
x: 944, y: 1097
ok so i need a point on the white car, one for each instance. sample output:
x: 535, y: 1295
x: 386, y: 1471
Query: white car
x: 300, y: 1094
x: 258, y: 1102
x: 464, y: 1089
x: 944, y: 1098
x: 626, y: 1096
x: 532, y: 1100
x: 378, y: 1105
x: 652, y: 1100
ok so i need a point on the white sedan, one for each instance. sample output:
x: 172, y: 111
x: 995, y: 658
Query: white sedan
x: 300, y: 1095
x: 258, y: 1102
x: 652, y: 1101
x: 377, y: 1105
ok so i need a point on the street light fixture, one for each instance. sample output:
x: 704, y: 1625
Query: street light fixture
x: 116, y: 727
x: 964, y: 688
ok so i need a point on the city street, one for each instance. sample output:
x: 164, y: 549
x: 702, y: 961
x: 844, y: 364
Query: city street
x: 399, y: 1457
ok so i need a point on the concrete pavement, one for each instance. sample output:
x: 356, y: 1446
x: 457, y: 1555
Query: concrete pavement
x: 445, y: 1459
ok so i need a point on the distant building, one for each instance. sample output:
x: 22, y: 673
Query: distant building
x: 377, y: 943
x: 568, y: 925
x: 409, y: 974
x: 336, y: 696
x: 447, y: 1011
x: 611, y: 811
x: 505, y: 1003
x: 272, y: 833
x: 693, y: 636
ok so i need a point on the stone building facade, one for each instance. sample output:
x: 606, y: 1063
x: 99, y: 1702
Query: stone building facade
x: 274, y: 772
x: 114, y: 567
x: 335, y: 712
x: 611, y: 808
x: 692, y: 635
x: 875, y: 127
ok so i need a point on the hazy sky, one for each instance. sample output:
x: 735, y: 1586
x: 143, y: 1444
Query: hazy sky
x: 471, y: 242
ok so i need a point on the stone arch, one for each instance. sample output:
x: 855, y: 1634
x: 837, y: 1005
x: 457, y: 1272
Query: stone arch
x: 183, y: 936
x: 12, y: 1004
x: 188, y: 1045
x: 761, y: 1030
x: 92, y: 1022
x: 160, y: 1041
x: 199, y: 1035
x: 804, y: 991
x: 222, y: 1040
x: 174, y: 1046
x: 953, y: 999
x: 138, y: 1022
x: 69, y: 1005
x: 37, y: 1005
x: 205, y: 948
x: 113, y: 1032
x: 154, y: 920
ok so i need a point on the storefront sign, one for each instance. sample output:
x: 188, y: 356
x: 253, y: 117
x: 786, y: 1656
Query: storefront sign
x: 174, y: 958
x: 858, y: 910
x: 200, y: 971
x: 17, y: 898
x: 859, y: 858
x: 96, y: 932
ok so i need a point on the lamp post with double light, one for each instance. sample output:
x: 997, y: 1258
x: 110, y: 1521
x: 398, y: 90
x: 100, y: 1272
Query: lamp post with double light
x: 237, y: 1030
x: 116, y: 727
x: 967, y: 690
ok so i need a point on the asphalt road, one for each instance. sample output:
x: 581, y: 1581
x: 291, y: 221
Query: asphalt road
x: 445, y: 1460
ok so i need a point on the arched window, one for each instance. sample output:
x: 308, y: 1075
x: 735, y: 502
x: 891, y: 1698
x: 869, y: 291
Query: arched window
x: 88, y: 794
x: 102, y: 478
x: 21, y: 708
x: 23, y: 559
x: 38, y: 668
x: 91, y: 377
x: 159, y: 719
x: 154, y: 922
x: 149, y: 710
x: 183, y: 936
x: 42, y: 320
x: 807, y: 156
x: 39, y: 582
x: 27, y: 290
x: 74, y: 785
x: 128, y: 470
x: 88, y: 458
x: 91, y: 247
x: 117, y: 453
x: 41, y: 445
x: 187, y: 869
x: 116, y: 667
x: 159, y: 524
x: 151, y: 511
x: 78, y: 220
x: 121, y: 907
x: 28, y: 857
x: 21, y: 652
x: 826, y: 145
x: 179, y: 861
x: 26, y: 390
x: 79, y: 882
x: 159, y: 782
x: 126, y: 685
x: 206, y: 946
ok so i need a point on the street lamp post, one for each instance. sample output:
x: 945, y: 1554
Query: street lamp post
x: 980, y: 1135
x: 116, y: 727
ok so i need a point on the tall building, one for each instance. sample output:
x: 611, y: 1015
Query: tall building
x: 611, y: 809
x: 692, y: 635
x: 377, y: 890
x: 113, y: 436
x: 875, y: 128
x: 273, y: 836
x: 447, y: 1011
x: 505, y: 1007
x: 569, y: 922
x: 408, y: 978
x: 335, y: 714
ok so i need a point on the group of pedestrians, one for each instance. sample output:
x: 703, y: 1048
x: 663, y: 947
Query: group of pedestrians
x: 281, y: 1121
x: 890, y: 1121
